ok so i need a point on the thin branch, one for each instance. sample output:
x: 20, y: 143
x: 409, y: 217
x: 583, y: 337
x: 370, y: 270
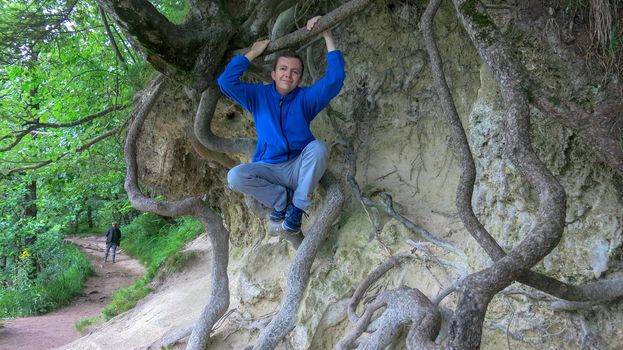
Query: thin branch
x: 17, y: 140
x: 79, y: 121
x: 123, y: 41
x: 33, y: 125
x: 35, y: 166
x: 85, y: 146
x: 113, y: 42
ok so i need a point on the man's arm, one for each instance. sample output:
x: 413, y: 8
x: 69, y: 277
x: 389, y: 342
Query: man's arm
x: 327, y: 35
x: 320, y: 93
x: 229, y: 80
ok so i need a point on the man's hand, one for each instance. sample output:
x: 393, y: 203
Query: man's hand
x: 257, y: 49
x: 312, y: 22
x: 328, y: 36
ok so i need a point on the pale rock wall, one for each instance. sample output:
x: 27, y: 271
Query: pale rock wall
x: 390, y: 114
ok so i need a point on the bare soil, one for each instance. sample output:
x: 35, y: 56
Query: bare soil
x: 57, y: 328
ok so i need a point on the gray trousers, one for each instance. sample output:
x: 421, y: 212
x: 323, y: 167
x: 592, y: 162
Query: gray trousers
x: 269, y: 183
x: 114, y: 251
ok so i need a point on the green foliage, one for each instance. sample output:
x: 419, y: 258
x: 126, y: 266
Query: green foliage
x: 151, y: 239
x: 125, y: 298
x: 157, y: 243
x: 84, y: 323
x: 175, y: 10
x: 60, y: 75
x: 480, y: 19
x: 43, y: 278
x: 57, y: 66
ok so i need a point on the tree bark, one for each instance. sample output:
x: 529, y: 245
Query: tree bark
x: 218, y: 299
x: 299, y: 272
x: 479, y: 288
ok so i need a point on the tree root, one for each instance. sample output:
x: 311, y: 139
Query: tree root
x: 203, y: 132
x: 601, y: 290
x: 402, y: 306
x: 388, y: 205
x: 326, y: 22
x: 299, y: 272
x: 207, y: 154
x: 218, y: 301
x: 548, y: 228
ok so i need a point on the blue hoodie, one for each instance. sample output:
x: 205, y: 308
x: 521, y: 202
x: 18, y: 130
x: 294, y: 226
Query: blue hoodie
x: 282, y: 122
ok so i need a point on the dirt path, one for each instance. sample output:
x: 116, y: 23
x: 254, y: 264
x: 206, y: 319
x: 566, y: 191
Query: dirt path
x: 58, y: 328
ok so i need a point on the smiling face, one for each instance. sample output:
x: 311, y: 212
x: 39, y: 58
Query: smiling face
x: 287, y: 74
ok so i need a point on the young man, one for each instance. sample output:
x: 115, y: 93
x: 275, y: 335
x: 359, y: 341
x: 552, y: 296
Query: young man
x: 288, y: 161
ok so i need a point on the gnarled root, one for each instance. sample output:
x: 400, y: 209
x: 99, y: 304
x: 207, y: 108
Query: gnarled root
x: 403, y: 306
x: 219, y: 237
x: 299, y: 272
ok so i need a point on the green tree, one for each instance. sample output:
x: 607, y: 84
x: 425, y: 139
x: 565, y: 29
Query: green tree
x: 67, y: 81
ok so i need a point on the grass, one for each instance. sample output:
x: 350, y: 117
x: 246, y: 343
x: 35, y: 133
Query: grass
x: 84, y: 323
x: 126, y: 298
x: 62, y: 279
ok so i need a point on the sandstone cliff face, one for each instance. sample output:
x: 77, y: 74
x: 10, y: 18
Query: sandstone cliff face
x: 389, y: 112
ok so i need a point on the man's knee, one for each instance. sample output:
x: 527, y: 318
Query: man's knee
x: 235, y: 178
x: 318, y: 150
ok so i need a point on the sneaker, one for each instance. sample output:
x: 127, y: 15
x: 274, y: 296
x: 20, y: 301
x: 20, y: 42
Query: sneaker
x: 294, y: 218
x: 277, y: 215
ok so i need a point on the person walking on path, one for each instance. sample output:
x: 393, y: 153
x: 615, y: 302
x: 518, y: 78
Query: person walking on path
x: 113, y: 240
x: 288, y: 161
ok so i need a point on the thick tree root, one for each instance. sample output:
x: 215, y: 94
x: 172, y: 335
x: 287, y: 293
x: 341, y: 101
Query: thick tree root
x: 203, y: 132
x: 549, y: 224
x: 402, y: 306
x: 299, y: 272
x: 219, y: 237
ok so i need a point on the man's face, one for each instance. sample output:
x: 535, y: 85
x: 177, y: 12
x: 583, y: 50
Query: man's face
x: 287, y: 74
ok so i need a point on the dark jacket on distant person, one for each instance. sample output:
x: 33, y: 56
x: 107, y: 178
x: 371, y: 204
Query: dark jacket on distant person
x: 113, y: 236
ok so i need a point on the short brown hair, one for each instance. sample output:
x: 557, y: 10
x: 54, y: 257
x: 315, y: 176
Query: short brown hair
x: 290, y: 54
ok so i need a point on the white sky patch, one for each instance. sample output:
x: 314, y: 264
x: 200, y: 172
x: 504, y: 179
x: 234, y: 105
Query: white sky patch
x: 70, y: 25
